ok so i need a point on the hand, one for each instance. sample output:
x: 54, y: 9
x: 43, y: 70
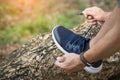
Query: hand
x: 70, y: 63
x: 95, y: 15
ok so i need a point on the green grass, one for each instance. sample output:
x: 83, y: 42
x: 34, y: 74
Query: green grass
x: 69, y: 20
x: 20, y: 32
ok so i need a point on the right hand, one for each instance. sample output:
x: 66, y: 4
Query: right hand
x: 95, y: 15
x: 70, y: 63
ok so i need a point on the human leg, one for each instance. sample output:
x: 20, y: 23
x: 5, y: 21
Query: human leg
x: 109, y: 43
x: 108, y: 25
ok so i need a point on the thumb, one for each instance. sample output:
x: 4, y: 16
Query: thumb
x: 61, y: 59
x: 83, y: 12
x: 90, y: 17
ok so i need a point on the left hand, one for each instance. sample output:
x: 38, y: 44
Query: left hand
x: 95, y: 15
x: 70, y: 62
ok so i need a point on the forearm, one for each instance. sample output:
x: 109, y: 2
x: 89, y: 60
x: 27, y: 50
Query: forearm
x: 105, y: 47
x: 109, y: 43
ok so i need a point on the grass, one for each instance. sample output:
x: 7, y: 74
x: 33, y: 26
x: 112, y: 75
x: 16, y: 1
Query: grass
x: 69, y: 20
x: 20, y: 32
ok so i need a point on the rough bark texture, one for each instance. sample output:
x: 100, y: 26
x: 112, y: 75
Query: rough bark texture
x: 35, y: 61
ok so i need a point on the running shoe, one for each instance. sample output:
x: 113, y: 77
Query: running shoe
x: 69, y: 42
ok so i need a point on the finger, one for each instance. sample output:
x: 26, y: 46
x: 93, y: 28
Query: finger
x: 61, y: 59
x: 94, y: 22
x: 58, y: 64
x: 62, y: 66
x: 89, y: 17
x: 87, y: 12
x: 85, y: 15
x: 91, y: 20
x: 100, y: 22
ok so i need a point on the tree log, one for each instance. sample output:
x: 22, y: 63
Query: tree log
x: 35, y: 61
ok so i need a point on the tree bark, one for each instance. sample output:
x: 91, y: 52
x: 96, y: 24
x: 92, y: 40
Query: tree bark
x: 35, y: 61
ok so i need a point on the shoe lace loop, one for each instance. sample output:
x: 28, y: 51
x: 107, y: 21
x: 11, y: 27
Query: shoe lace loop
x: 76, y: 45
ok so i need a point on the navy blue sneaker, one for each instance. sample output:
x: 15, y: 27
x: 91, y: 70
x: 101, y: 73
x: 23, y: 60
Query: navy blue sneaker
x: 69, y: 42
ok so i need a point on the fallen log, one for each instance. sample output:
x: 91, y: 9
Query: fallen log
x: 35, y: 61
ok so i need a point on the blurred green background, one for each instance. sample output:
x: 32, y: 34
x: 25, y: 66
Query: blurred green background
x: 20, y: 20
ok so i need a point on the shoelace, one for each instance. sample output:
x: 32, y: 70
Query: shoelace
x: 76, y: 45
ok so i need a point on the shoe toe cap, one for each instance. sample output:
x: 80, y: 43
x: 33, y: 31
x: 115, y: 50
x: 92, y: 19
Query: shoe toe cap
x: 62, y: 34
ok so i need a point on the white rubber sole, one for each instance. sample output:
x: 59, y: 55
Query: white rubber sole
x: 88, y: 69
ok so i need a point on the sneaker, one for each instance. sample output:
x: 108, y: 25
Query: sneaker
x: 69, y: 42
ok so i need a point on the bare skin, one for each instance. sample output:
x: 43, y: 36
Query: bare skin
x: 100, y: 17
x: 108, y: 35
x: 96, y: 15
x: 110, y: 39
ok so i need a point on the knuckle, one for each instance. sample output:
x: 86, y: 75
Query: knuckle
x: 57, y: 65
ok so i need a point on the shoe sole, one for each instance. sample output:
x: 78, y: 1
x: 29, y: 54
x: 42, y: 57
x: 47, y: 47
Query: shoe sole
x: 88, y: 69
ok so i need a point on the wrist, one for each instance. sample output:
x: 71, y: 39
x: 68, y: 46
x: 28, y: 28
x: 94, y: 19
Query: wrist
x: 88, y: 57
x: 80, y: 62
x: 84, y: 60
